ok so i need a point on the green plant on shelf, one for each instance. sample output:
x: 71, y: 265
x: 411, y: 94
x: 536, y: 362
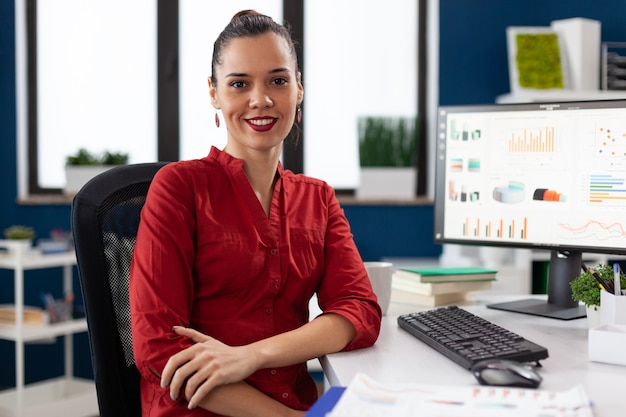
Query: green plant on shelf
x: 85, y: 157
x: 114, y: 158
x: 387, y: 141
x: 19, y: 232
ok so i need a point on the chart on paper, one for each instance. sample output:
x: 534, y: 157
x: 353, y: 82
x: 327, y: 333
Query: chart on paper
x: 365, y: 397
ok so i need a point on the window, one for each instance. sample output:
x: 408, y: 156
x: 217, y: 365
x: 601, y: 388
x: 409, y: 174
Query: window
x: 103, y: 93
x: 200, y: 24
x: 94, y: 72
x: 360, y: 60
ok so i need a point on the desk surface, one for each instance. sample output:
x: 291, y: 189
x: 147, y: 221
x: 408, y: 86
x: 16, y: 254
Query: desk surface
x: 399, y: 357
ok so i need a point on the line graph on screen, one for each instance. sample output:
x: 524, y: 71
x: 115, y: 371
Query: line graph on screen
x: 613, y: 233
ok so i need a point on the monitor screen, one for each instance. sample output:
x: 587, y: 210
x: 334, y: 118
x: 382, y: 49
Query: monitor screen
x: 540, y: 176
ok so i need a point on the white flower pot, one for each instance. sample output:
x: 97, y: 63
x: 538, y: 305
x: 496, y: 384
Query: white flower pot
x: 387, y: 182
x: 77, y: 175
x: 593, y: 316
x: 17, y: 248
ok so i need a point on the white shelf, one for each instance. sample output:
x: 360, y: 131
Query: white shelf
x: 67, y: 397
x: 35, y: 333
x: 559, y: 96
x: 33, y: 259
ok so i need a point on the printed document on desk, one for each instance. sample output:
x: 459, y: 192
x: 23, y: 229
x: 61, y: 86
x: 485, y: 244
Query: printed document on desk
x: 365, y: 397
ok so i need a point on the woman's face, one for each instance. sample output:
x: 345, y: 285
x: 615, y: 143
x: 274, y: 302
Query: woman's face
x: 257, y: 90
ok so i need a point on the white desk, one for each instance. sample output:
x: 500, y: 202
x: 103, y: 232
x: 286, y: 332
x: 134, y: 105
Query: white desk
x: 399, y: 357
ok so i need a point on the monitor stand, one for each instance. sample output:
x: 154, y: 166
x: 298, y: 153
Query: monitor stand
x: 541, y: 308
x: 564, y: 267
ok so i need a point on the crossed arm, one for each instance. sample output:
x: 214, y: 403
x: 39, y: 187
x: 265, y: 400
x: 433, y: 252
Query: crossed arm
x: 210, y: 374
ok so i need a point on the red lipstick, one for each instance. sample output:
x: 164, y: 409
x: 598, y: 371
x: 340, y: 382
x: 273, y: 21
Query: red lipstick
x: 261, y: 124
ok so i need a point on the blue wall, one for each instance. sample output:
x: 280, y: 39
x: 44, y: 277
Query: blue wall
x: 473, y: 66
x: 393, y: 231
x: 473, y: 69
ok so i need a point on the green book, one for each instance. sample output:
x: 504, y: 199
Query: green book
x: 441, y: 274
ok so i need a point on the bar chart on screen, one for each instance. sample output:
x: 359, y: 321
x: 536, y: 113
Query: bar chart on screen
x: 607, y: 189
x: 532, y: 140
x: 495, y: 228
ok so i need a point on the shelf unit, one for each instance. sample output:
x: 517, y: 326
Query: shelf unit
x: 67, y: 395
x: 559, y: 95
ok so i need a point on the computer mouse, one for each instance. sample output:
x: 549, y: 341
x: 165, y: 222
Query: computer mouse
x: 503, y: 372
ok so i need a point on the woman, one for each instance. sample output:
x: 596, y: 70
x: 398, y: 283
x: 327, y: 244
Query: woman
x: 231, y: 248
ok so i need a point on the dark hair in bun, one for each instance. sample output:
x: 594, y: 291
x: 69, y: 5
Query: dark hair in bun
x: 248, y: 23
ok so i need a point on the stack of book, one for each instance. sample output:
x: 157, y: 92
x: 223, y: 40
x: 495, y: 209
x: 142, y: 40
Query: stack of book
x: 439, y: 286
x: 33, y: 316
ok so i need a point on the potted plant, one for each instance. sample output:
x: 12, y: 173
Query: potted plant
x: 19, y: 232
x: 84, y: 165
x: 18, y: 237
x: 387, y: 156
x: 586, y: 289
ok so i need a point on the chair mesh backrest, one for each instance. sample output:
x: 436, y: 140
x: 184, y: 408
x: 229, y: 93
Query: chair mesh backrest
x: 119, y: 219
x: 105, y: 218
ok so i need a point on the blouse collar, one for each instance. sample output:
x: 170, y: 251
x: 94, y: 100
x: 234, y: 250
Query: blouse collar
x: 227, y: 160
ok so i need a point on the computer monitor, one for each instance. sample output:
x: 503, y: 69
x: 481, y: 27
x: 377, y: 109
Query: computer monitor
x: 549, y: 176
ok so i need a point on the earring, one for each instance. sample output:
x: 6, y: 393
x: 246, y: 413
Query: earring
x: 217, y: 120
x: 299, y: 114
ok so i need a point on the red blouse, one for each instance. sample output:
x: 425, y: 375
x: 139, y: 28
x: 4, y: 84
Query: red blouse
x: 208, y: 257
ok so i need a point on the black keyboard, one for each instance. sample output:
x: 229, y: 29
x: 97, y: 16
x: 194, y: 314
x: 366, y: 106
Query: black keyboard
x: 466, y: 338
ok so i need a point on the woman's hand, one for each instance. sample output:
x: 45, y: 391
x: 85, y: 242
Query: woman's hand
x: 204, y: 366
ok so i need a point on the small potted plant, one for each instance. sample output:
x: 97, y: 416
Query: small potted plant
x: 18, y: 237
x: 84, y: 165
x: 387, y: 156
x: 586, y: 289
x: 19, y: 232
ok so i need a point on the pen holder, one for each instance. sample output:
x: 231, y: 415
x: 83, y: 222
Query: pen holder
x: 612, y: 308
x: 59, y: 311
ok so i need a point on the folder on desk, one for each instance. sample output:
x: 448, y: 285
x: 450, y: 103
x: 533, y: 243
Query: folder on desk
x: 326, y: 402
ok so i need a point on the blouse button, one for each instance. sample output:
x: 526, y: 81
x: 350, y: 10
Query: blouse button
x: 285, y: 395
x: 274, y: 251
x: 268, y: 311
x: 273, y: 372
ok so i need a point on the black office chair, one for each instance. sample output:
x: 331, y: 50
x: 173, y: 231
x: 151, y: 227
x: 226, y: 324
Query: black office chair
x: 105, y: 216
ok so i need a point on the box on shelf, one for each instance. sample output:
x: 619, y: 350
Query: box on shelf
x: 581, y: 38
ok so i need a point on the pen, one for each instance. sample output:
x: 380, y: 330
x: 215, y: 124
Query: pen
x: 48, y: 303
x: 606, y: 285
x: 616, y: 284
